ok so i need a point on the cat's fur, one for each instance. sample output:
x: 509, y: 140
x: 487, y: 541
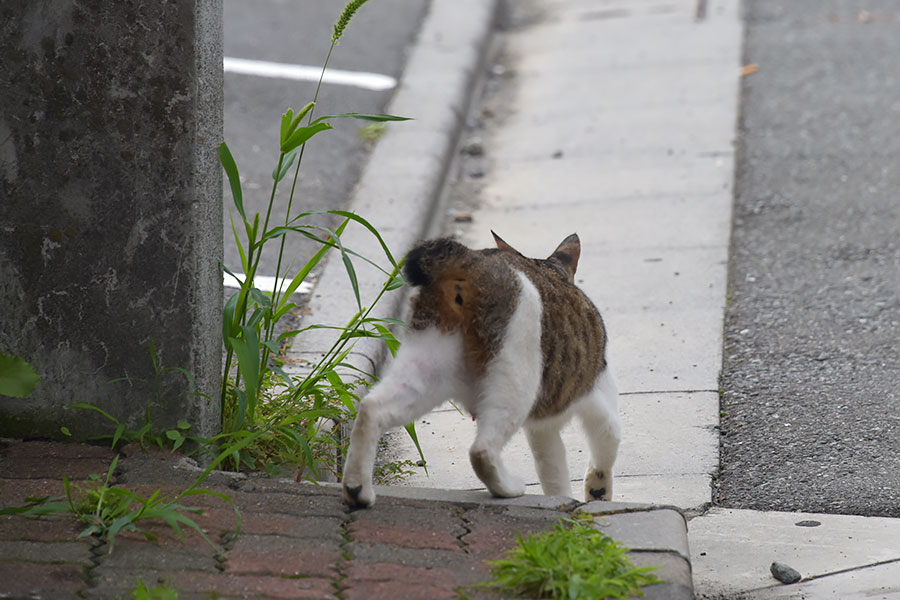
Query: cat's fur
x: 515, y: 342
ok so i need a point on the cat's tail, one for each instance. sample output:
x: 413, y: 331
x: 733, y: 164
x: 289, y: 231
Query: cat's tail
x: 427, y: 260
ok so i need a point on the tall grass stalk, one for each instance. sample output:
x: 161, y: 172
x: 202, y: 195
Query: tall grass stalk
x: 264, y: 409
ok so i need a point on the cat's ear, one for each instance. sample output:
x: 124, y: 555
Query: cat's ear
x: 501, y: 244
x: 568, y: 253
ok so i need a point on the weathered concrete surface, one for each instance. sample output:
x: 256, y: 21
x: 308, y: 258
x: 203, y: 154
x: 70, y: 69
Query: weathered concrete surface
x: 847, y: 556
x: 110, y: 207
x: 618, y: 125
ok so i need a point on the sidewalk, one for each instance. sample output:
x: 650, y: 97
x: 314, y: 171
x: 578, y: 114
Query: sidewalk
x: 618, y: 122
x: 297, y: 540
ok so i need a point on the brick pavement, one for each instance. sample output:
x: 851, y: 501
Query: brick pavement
x: 297, y: 540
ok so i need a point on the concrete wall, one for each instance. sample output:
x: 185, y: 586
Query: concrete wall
x: 110, y: 207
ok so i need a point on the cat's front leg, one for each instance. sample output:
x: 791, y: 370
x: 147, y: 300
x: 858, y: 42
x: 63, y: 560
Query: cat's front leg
x: 357, y: 477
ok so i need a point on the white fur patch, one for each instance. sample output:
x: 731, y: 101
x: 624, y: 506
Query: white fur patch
x: 509, y: 390
x: 514, y: 375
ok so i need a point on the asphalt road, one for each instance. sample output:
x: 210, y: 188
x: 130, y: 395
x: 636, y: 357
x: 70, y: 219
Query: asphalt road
x: 298, y: 32
x: 811, y: 376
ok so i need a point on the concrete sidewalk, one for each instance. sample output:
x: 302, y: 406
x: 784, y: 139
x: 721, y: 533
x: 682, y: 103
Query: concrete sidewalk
x: 618, y: 122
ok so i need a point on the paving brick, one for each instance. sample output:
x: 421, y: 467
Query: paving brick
x: 279, y: 502
x: 493, y: 530
x: 27, y: 467
x: 206, y: 584
x: 414, y: 557
x: 14, y: 491
x: 254, y: 586
x: 34, y: 580
x: 54, y: 450
x: 164, y: 536
x: 283, y: 556
x: 321, y: 528
x: 377, y: 581
x: 46, y: 552
x: 409, y: 526
x: 39, y: 529
x: 130, y: 552
x: 405, y: 537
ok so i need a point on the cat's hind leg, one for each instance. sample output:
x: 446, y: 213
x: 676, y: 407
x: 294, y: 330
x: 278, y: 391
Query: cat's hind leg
x: 599, y: 415
x: 426, y: 372
x: 549, y: 455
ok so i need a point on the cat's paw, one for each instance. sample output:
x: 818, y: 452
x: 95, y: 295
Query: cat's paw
x: 597, y: 485
x: 359, y: 495
x: 508, y: 487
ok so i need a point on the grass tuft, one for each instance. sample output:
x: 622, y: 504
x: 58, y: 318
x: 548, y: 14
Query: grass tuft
x: 574, y: 561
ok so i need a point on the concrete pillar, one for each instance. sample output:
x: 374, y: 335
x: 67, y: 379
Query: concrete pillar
x: 111, y: 209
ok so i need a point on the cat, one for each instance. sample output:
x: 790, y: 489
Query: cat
x: 517, y: 344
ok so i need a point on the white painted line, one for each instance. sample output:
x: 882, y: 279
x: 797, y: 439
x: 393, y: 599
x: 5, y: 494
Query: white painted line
x: 262, y: 68
x: 264, y: 283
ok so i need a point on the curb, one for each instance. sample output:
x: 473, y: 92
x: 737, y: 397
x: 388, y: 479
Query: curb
x: 400, y: 187
x: 656, y: 536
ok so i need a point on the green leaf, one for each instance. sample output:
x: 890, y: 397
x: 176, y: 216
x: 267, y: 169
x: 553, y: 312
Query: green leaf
x: 302, y: 134
x: 411, y: 431
x: 246, y: 348
x: 301, y: 275
x: 375, y: 117
x: 85, y: 406
x: 65, y: 431
x: 285, y: 164
x: 120, y: 429
x: 17, y: 378
x: 295, y: 121
x: 371, y: 228
x: 234, y: 179
x: 351, y: 273
x: 286, y: 123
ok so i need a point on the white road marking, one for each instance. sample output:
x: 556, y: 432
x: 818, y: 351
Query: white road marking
x: 264, y: 283
x: 262, y: 68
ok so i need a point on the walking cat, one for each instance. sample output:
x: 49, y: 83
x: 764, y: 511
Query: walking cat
x: 515, y: 342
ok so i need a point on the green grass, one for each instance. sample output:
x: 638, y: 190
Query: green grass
x: 572, y: 561
x: 158, y: 592
x: 106, y: 510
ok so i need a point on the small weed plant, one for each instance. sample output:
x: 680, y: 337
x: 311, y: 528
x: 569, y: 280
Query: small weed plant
x: 146, y: 434
x: 573, y: 561
x: 17, y: 377
x: 106, y: 510
x: 278, y: 418
x: 163, y: 591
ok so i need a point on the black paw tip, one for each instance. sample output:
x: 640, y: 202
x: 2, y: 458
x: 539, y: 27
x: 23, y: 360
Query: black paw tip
x: 351, y: 496
x: 598, y: 494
